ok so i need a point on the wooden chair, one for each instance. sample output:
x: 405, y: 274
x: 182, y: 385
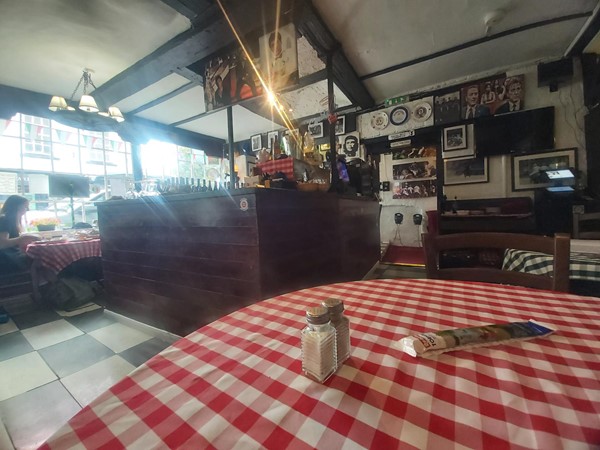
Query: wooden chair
x: 558, y: 246
x: 586, y: 226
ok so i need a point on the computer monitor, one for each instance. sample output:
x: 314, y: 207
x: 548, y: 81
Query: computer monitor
x: 68, y: 186
x: 560, y: 189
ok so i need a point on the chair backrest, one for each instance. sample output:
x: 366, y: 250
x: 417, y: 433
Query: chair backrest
x: 559, y: 247
x: 586, y: 226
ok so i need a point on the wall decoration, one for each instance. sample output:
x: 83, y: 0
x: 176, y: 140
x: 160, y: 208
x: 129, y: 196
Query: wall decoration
x: 447, y: 108
x: 349, y: 145
x: 429, y: 151
x: 316, y: 129
x: 229, y: 78
x: 466, y: 170
x: 413, y: 189
x: 512, y: 100
x: 340, y: 125
x: 422, y: 111
x: 492, y: 96
x: 379, y: 120
x: 399, y: 115
x: 408, y: 116
x: 256, y: 141
x: 419, y: 169
x: 271, y: 138
x: 279, y: 57
x: 455, y: 138
x: 528, y: 170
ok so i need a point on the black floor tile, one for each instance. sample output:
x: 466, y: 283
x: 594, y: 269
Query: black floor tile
x: 35, y: 318
x: 74, y: 355
x: 90, y: 321
x: 13, y: 344
x: 48, y: 407
x: 143, y: 352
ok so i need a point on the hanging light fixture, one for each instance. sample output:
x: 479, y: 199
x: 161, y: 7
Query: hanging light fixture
x: 87, y: 103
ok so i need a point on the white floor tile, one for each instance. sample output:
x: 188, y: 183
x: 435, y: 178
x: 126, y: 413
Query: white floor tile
x: 23, y: 373
x: 51, y: 333
x: 8, y: 327
x: 89, y: 383
x: 119, y: 337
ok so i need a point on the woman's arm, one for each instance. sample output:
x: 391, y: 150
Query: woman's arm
x: 21, y: 241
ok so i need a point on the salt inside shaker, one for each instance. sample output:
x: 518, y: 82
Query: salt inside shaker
x: 319, y: 357
x: 342, y: 328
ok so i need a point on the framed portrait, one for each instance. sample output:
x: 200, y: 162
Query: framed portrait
x: 316, y: 130
x: 349, y: 145
x: 256, y: 142
x: 279, y: 57
x: 340, y: 125
x: 466, y: 170
x: 447, y: 108
x: 528, y: 171
x: 455, y: 138
x: 271, y: 138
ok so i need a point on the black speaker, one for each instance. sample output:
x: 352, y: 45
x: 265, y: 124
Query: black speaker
x: 555, y: 72
x: 590, y: 66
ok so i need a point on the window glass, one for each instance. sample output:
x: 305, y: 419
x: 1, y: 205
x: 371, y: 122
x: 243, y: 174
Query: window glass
x: 66, y: 158
x: 11, y: 127
x: 10, y: 152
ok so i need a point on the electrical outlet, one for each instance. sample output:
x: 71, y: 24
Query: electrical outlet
x: 384, y: 186
x: 578, y: 209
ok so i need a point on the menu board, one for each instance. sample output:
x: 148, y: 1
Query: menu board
x: 8, y: 183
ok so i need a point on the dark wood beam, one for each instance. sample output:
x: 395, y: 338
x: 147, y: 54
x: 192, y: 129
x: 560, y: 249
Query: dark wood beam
x: 190, y: 75
x: 312, y: 27
x: 210, y: 33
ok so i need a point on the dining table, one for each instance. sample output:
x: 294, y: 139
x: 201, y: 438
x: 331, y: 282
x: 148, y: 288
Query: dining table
x: 237, y: 382
x: 57, y: 254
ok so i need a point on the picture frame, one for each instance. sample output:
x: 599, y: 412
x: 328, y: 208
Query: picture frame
x: 528, y: 170
x: 271, y: 137
x: 316, y: 130
x: 256, y: 142
x: 340, y: 126
x: 455, y: 138
x: 466, y: 170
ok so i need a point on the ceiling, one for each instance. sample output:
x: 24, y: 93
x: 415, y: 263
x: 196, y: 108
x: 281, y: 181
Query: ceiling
x: 146, y: 53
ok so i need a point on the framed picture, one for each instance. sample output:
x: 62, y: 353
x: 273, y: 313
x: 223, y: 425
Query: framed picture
x: 528, y: 171
x: 316, y: 130
x: 340, y: 125
x: 455, y: 138
x: 466, y: 170
x: 413, y: 189
x: 256, y: 141
x: 417, y: 170
x: 349, y: 145
x: 271, y: 138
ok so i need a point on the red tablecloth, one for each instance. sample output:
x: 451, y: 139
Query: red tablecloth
x: 58, y: 255
x: 236, y: 383
x: 285, y: 165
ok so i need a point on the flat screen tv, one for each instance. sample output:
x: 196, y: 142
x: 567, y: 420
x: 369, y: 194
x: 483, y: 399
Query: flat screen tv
x: 68, y: 186
x: 515, y: 133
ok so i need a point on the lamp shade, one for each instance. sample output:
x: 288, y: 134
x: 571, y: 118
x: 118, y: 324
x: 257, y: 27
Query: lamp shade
x: 57, y: 103
x: 115, y: 113
x: 88, y: 104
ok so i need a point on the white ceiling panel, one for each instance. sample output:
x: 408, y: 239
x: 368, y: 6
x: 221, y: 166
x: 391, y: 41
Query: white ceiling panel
x: 185, y: 105
x: 158, y: 89
x: 312, y: 100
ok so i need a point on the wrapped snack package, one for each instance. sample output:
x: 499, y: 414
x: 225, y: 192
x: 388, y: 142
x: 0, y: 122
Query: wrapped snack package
x: 434, y: 343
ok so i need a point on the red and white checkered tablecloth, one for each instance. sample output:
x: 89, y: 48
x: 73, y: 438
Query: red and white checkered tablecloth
x: 236, y: 383
x: 285, y: 165
x: 58, y: 255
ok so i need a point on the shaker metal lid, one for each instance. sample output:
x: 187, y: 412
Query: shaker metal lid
x: 335, y: 305
x: 317, y: 315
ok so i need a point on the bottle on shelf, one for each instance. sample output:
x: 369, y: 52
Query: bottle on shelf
x: 204, y: 187
x: 210, y: 187
x: 319, y: 357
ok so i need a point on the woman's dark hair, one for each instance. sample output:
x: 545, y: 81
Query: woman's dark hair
x: 10, y: 208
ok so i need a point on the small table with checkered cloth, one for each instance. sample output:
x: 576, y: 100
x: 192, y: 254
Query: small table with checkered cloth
x: 583, y: 266
x: 285, y: 166
x: 236, y: 383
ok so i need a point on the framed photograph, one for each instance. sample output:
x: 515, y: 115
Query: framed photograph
x: 256, y: 141
x: 316, y: 130
x: 418, y: 170
x: 413, y: 189
x: 415, y: 152
x: 466, y: 170
x: 271, y: 138
x: 528, y: 171
x: 349, y: 145
x: 447, y: 108
x: 340, y: 125
x: 455, y: 138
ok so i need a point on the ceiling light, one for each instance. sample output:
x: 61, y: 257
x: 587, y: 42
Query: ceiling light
x: 87, y: 103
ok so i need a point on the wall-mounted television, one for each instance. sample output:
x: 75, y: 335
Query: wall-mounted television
x: 515, y: 133
x: 68, y: 186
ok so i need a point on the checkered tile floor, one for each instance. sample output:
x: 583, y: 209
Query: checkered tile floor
x: 51, y: 366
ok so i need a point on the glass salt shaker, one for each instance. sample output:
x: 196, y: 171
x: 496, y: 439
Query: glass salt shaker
x: 318, y: 345
x: 342, y: 328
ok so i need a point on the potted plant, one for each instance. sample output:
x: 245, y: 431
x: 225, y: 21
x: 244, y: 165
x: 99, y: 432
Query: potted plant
x: 46, y: 223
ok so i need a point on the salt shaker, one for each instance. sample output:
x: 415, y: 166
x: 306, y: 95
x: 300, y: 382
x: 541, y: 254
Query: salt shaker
x: 342, y: 328
x: 319, y: 355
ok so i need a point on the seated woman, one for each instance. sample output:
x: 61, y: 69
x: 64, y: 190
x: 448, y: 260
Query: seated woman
x: 12, y: 242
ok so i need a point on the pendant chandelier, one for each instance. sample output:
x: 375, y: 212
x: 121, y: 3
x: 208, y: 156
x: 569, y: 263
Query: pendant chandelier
x: 87, y: 102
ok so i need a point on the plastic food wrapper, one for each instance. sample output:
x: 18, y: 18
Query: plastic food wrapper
x: 434, y: 343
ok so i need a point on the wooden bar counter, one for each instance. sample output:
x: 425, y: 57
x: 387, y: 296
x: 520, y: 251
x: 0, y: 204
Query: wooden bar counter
x: 181, y: 261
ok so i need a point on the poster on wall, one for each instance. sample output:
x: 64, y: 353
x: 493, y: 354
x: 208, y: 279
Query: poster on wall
x: 447, y: 108
x: 428, y: 151
x: 279, y: 57
x: 413, y: 189
x: 415, y: 170
x: 495, y: 96
x: 229, y: 79
x: 349, y: 145
x: 466, y: 170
